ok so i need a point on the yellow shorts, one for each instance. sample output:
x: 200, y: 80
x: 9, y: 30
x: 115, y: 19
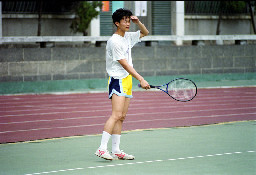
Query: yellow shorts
x: 120, y: 87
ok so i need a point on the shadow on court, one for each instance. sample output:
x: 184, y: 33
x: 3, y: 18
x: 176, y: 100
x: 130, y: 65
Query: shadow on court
x: 227, y: 148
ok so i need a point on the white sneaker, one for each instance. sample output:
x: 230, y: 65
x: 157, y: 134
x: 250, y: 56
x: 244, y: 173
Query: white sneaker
x: 102, y: 153
x: 122, y: 155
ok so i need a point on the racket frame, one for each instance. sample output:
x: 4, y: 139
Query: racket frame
x: 167, y: 85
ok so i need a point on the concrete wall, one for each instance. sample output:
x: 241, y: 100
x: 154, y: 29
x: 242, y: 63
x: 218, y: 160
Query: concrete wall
x: 27, y: 25
x: 58, y: 25
x: 207, y: 25
x: 40, y: 64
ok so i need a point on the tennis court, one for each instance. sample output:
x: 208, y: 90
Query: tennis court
x: 58, y: 134
x: 215, y: 149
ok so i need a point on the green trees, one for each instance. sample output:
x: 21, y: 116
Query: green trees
x: 85, y: 11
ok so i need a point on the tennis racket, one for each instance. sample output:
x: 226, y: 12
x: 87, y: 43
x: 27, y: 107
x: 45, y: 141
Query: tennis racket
x: 180, y: 89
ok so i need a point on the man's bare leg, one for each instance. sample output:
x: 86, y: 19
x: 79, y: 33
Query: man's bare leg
x: 113, y: 124
x: 116, y: 133
x: 114, y: 121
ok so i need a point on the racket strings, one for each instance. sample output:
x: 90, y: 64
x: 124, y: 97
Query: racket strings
x: 182, y: 90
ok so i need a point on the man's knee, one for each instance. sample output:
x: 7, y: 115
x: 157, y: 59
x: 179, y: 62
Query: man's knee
x: 119, y: 117
x: 123, y: 117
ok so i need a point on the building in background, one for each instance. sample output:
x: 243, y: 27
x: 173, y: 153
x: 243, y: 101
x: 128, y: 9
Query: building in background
x: 20, y: 18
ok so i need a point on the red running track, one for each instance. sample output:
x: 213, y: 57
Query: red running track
x: 33, y: 117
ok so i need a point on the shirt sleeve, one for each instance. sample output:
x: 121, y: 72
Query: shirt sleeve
x: 117, y: 52
x: 134, y: 37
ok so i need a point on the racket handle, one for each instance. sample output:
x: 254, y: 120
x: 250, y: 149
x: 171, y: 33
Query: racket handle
x: 151, y: 86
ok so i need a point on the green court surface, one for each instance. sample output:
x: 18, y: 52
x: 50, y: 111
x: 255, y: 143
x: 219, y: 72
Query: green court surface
x: 227, y: 148
x: 92, y: 85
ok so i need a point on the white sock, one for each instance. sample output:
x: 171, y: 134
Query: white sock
x: 115, y: 143
x: 104, y: 140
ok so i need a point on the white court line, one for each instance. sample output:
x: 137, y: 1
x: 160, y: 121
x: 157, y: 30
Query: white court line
x: 99, y: 110
x: 182, y: 118
x: 149, y: 161
x: 136, y: 121
x: 37, y: 99
x: 49, y: 98
x: 161, y: 105
x: 204, y: 110
x: 32, y: 121
x: 96, y: 99
x: 218, y: 154
x: 139, y: 99
x: 39, y: 129
x: 84, y: 103
x: 55, y: 104
x: 150, y: 101
x: 87, y: 117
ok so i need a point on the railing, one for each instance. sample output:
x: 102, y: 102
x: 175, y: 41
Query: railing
x: 28, y: 39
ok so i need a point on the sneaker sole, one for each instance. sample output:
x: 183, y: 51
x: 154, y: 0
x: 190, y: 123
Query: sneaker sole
x: 103, y: 157
x: 117, y: 158
x: 125, y: 159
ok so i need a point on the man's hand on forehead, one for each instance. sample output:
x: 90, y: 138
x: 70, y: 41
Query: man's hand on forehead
x: 135, y: 19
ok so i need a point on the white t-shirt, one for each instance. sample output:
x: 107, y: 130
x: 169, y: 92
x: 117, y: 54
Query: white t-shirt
x: 118, y: 48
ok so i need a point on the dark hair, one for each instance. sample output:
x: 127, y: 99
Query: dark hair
x: 120, y: 13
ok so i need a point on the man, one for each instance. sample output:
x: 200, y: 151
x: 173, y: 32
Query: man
x: 120, y: 70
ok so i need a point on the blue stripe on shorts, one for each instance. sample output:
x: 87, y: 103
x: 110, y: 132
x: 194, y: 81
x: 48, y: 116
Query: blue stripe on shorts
x: 115, y: 87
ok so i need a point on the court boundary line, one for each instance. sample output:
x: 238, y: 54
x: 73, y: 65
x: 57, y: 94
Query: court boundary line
x: 132, y: 121
x: 148, y: 161
x: 43, y: 107
x: 101, y: 110
x: 68, y: 100
x: 123, y: 132
x: 88, y: 117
